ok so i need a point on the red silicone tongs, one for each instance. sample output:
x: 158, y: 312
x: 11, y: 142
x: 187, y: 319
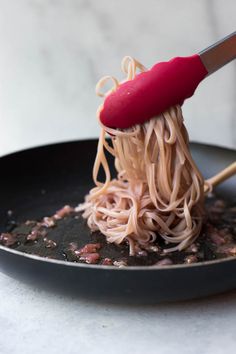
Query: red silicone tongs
x: 166, y: 84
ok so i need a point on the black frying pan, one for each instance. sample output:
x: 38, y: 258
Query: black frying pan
x: 36, y: 182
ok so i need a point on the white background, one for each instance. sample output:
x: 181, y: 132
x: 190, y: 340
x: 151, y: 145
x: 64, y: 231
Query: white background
x: 52, y: 52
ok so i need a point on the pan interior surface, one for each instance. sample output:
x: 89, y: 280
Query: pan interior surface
x: 37, y: 182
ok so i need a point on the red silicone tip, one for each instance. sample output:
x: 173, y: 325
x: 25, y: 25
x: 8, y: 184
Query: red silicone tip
x: 152, y: 92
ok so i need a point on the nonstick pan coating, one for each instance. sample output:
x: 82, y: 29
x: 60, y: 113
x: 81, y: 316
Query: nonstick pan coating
x: 36, y: 182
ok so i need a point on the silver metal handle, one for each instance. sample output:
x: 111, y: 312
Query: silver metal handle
x: 219, y: 54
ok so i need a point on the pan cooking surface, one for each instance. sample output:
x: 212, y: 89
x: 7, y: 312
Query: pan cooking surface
x: 37, y: 182
x: 66, y: 236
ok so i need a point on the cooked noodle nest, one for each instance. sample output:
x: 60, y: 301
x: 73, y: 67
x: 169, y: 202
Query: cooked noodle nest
x: 158, y: 191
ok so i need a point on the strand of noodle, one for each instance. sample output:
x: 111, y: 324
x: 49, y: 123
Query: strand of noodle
x: 101, y: 160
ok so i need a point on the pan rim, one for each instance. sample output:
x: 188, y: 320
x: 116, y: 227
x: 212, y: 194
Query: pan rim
x: 94, y: 139
x: 106, y: 267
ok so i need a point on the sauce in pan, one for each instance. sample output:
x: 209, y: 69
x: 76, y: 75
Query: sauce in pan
x: 65, y: 236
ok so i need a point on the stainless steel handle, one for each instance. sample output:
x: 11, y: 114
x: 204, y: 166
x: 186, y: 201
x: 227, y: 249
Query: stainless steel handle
x: 219, y: 54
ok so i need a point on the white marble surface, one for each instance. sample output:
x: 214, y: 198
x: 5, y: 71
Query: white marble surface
x: 41, y: 322
x: 52, y: 52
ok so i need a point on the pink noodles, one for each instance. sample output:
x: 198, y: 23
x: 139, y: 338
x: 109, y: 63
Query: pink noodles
x: 158, y: 191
